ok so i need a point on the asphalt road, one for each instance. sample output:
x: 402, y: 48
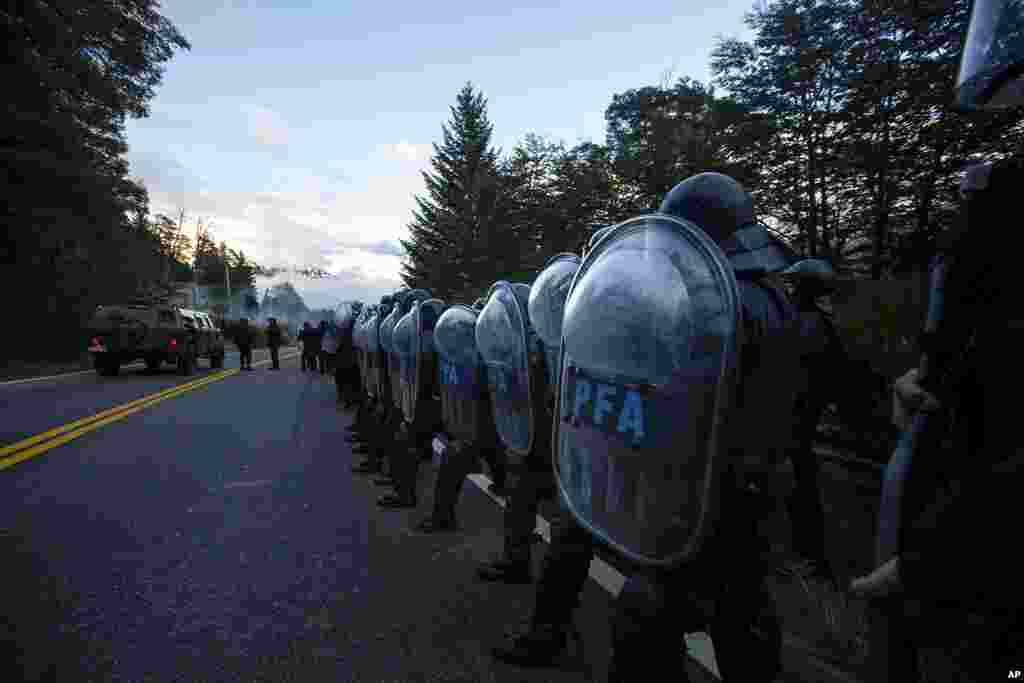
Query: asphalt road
x: 218, y: 535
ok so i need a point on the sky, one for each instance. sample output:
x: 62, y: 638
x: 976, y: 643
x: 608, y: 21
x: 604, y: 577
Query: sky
x: 297, y: 131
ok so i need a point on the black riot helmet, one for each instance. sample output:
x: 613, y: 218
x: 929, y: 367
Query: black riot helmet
x: 714, y: 201
x: 724, y: 210
x: 991, y: 72
x: 809, y: 279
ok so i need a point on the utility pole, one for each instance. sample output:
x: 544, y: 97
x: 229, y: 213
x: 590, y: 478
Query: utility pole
x: 195, y: 265
x: 227, y: 276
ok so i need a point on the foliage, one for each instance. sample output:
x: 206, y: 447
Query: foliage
x: 76, y: 227
x: 462, y: 230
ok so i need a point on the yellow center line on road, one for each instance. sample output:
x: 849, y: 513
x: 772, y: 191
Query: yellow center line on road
x: 28, y: 448
x: 7, y: 450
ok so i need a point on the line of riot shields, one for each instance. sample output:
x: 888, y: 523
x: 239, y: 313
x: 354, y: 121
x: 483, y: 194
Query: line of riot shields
x: 611, y: 383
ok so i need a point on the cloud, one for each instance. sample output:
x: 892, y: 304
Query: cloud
x: 385, y: 248
x: 265, y: 125
x: 407, y: 151
x: 295, y: 217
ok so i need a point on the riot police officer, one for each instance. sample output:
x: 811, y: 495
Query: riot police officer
x: 468, y: 425
x: 378, y: 436
x: 391, y: 451
x: 413, y: 340
x: 680, y: 371
x: 939, y: 507
x: 494, y: 457
x: 362, y: 426
x: 568, y: 558
x: 520, y: 397
x: 823, y: 360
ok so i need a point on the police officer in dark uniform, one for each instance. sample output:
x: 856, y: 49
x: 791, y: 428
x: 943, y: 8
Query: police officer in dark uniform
x: 274, y: 343
x: 379, y: 431
x: 309, y: 340
x: 567, y: 561
x: 824, y: 358
x: 468, y: 425
x: 956, y: 474
x: 243, y: 339
x: 362, y: 424
x: 494, y: 458
x: 520, y: 399
x: 413, y: 341
x: 680, y: 373
x: 343, y: 353
x: 717, y: 201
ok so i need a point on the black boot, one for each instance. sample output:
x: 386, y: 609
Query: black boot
x: 365, y: 467
x: 432, y: 526
x: 505, y: 571
x: 536, y: 645
x: 395, y: 501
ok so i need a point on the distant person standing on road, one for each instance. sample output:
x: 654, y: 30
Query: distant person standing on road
x: 310, y: 346
x: 328, y: 345
x: 243, y: 340
x: 274, y: 343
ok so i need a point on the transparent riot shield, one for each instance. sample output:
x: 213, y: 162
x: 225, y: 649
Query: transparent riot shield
x: 650, y: 357
x: 501, y: 336
x: 462, y: 401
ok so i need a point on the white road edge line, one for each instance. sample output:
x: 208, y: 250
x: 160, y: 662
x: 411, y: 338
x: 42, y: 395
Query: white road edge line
x: 698, y: 645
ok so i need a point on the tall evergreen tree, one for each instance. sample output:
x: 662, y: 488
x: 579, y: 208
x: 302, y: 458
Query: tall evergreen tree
x: 461, y: 230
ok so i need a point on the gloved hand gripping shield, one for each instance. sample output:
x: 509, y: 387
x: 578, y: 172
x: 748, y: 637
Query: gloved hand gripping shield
x: 505, y: 343
x: 650, y: 358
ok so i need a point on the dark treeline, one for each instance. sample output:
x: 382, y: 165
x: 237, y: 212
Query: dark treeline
x: 76, y: 226
x: 837, y: 117
x: 78, y: 230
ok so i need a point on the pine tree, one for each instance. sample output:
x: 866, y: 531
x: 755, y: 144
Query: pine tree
x: 460, y: 234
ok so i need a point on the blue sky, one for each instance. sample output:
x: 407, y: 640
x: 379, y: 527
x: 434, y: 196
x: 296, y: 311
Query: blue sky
x: 297, y: 131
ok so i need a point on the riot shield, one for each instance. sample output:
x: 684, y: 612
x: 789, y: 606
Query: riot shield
x: 502, y: 338
x: 394, y: 367
x: 547, y: 306
x: 373, y: 354
x: 404, y: 341
x: 423, y: 358
x: 462, y: 404
x: 360, y: 346
x: 650, y: 356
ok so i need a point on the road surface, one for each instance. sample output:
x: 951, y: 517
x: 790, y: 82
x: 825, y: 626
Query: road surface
x: 211, y: 531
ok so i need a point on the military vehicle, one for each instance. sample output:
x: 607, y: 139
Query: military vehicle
x: 155, y: 332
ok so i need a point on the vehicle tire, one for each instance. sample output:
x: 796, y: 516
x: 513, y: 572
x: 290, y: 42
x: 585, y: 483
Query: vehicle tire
x: 186, y: 363
x: 217, y: 361
x: 153, y: 363
x: 107, y: 366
